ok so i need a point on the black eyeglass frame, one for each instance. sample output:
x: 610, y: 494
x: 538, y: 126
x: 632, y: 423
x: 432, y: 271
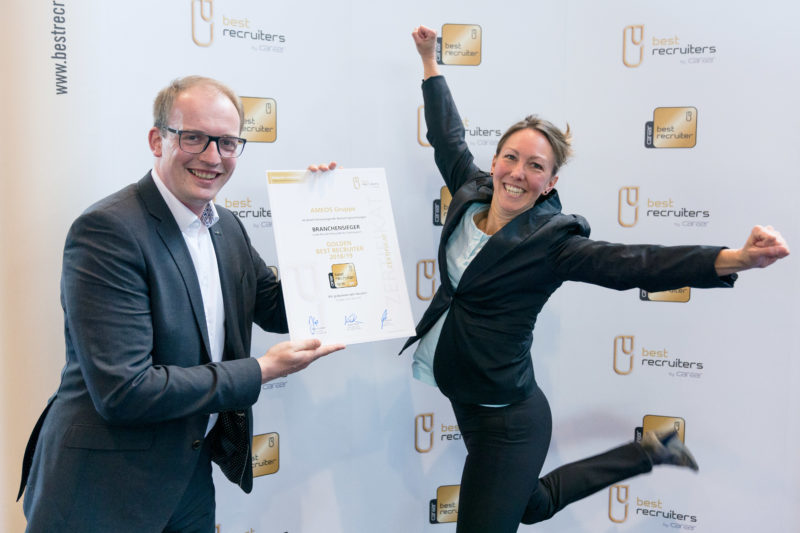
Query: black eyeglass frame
x: 240, y: 141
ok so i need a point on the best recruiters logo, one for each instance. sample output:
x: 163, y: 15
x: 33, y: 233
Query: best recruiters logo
x: 623, y: 354
x: 266, y: 454
x: 682, y: 295
x: 633, y: 45
x: 459, y: 44
x: 254, y: 213
x: 202, y: 22
x: 650, y: 507
x: 234, y: 28
x: 628, y: 206
x: 426, y: 279
x: 639, y: 47
x: 425, y: 432
x: 260, y: 119
x: 657, y: 358
x: 671, y: 127
x: 444, y: 508
x: 441, y: 205
x: 633, y: 207
x: 618, y: 503
x: 475, y: 134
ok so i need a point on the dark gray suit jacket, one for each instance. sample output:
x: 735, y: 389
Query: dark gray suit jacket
x: 119, y: 440
x: 483, y: 354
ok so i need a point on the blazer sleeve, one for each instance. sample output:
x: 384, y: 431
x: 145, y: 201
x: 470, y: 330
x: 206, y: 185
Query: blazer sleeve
x: 653, y: 268
x: 446, y: 134
x: 109, y: 304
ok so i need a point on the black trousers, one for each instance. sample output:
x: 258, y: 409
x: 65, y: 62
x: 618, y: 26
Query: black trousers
x: 506, y: 448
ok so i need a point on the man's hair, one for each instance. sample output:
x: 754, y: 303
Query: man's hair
x: 560, y: 141
x: 162, y: 106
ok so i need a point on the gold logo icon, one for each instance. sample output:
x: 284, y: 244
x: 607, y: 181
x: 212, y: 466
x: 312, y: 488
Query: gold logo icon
x: 426, y: 270
x: 447, y: 503
x: 423, y: 432
x: 628, y: 202
x: 441, y: 206
x: 460, y: 44
x: 266, y: 454
x: 681, y: 295
x: 260, y: 119
x: 618, y: 495
x: 633, y: 45
x: 445, y: 198
x: 623, y: 347
x: 672, y: 127
x: 343, y: 276
x: 664, y: 423
x: 202, y: 22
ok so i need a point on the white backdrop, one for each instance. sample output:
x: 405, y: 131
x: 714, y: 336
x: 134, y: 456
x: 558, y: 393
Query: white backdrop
x: 354, y: 450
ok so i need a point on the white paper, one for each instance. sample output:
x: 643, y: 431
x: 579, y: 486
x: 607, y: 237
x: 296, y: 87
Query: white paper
x: 339, y: 260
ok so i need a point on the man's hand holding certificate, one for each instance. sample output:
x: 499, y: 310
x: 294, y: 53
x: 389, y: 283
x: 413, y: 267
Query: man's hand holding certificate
x: 339, y: 260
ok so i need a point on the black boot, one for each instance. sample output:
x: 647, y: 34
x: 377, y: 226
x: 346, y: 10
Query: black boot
x: 665, y: 448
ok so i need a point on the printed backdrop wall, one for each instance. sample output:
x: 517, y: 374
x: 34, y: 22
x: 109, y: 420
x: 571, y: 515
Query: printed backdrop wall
x: 686, y: 131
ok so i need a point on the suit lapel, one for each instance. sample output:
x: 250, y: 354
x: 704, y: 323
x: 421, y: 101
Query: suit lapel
x: 510, y: 236
x: 171, y: 236
x: 228, y: 282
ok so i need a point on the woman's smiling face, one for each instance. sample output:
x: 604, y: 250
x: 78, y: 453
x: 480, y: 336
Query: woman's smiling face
x: 521, y: 171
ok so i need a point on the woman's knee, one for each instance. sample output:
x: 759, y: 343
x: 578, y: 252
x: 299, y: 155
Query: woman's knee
x: 541, y: 505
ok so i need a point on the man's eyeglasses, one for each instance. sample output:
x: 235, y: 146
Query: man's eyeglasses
x: 196, y: 142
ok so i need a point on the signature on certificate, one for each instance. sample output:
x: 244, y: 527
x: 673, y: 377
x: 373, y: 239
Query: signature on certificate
x: 313, y: 324
x: 384, y: 316
x: 351, y: 320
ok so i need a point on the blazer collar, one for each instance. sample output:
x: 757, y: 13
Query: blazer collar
x: 504, y: 241
x: 227, y: 256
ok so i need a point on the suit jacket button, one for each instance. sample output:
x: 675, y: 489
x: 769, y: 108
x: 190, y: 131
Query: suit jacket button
x: 196, y: 444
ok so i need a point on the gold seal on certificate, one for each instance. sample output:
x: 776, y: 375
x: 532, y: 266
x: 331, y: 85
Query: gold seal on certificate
x: 338, y: 254
x: 343, y: 276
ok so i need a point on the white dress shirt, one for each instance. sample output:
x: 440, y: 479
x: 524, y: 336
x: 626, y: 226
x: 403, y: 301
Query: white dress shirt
x: 198, y: 240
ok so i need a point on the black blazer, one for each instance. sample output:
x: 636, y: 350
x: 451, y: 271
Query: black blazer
x: 483, y: 354
x: 118, y: 442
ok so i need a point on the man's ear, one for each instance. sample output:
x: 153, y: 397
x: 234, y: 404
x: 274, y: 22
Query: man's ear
x: 155, y: 140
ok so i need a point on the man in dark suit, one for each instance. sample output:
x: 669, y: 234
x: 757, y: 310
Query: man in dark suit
x: 160, y: 289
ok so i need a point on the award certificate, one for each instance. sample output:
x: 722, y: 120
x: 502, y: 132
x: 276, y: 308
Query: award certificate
x: 339, y: 260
